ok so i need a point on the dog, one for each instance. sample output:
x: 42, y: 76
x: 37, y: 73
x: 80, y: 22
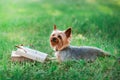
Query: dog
x: 60, y: 42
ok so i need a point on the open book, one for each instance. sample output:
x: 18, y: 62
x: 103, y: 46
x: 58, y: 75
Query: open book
x: 23, y: 53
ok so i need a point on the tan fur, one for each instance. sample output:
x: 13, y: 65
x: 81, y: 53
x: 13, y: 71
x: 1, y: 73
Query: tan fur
x: 60, y: 43
x: 58, y: 57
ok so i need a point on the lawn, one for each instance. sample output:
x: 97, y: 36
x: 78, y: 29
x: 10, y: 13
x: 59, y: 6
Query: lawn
x: 30, y: 22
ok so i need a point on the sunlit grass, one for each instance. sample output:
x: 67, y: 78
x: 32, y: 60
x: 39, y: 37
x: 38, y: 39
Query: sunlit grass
x: 105, y: 9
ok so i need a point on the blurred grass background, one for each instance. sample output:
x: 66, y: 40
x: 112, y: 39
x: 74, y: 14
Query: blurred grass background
x: 30, y: 22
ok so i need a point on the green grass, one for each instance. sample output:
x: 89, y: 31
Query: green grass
x: 30, y: 22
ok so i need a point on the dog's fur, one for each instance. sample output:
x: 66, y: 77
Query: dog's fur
x: 60, y: 42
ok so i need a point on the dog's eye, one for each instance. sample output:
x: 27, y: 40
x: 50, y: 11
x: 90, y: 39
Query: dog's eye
x: 53, y: 35
x: 59, y: 37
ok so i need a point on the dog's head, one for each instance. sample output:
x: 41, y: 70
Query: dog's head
x: 60, y: 39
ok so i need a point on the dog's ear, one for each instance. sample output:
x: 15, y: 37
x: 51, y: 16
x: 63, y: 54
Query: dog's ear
x: 55, y: 27
x: 68, y: 32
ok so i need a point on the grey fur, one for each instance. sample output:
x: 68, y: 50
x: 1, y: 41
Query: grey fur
x: 83, y: 52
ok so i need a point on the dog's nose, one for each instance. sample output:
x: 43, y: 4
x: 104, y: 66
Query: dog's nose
x: 54, y: 39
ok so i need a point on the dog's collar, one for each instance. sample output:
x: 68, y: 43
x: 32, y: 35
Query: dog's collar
x: 63, y: 48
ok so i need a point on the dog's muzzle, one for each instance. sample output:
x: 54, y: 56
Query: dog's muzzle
x: 54, y: 39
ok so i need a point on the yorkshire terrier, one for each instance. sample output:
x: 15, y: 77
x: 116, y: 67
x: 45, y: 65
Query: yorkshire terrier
x: 60, y: 42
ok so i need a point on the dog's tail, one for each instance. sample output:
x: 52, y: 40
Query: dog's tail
x: 106, y: 54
